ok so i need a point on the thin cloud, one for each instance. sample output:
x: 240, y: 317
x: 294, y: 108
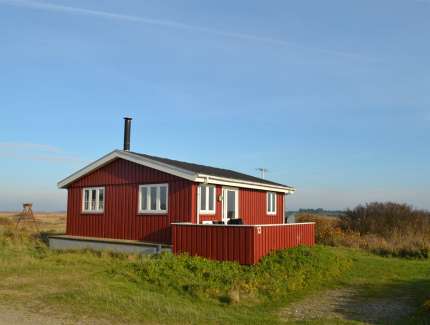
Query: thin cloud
x: 35, y: 152
x: 35, y: 157
x: 28, y: 146
x: 172, y: 24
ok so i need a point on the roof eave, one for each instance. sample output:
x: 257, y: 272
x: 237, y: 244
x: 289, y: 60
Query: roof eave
x: 210, y: 179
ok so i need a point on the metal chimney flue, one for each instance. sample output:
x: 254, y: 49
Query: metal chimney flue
x: 127, y: 130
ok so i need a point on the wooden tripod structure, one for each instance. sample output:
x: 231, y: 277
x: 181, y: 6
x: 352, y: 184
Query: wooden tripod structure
x: 27, y: 215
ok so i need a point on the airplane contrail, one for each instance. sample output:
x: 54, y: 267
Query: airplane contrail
x: 29, y: 4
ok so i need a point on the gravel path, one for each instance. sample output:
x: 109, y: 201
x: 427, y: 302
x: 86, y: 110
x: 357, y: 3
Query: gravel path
x: 346, y: 304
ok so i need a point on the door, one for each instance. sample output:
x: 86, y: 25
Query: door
x: 230, y: 204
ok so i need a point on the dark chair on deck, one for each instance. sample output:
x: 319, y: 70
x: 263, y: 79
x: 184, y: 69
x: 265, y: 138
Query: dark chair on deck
x: 238, y: 221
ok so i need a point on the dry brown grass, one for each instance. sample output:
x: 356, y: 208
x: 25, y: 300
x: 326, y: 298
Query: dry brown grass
x: 426, y: 305
x: 331, y: 231
x: 47, y: 222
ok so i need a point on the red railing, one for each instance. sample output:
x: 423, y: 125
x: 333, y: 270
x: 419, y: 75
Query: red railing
x: 246, y: 244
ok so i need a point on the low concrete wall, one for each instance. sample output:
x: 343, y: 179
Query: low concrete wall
x: 77, y: 243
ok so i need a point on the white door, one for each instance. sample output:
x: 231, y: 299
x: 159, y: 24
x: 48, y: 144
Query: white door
x: 230, y: 204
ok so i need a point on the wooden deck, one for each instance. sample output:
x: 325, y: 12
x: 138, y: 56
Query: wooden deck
x: 246, y: 244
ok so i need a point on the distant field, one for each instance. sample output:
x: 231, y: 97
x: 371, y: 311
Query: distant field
x: 47, y: 221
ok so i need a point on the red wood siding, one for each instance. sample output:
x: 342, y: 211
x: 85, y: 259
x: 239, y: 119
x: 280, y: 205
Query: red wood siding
x: 275, y: 237
x: 244, y: 244
x: 252, y: 207
x: 120, y: 219
x: 217, y: 242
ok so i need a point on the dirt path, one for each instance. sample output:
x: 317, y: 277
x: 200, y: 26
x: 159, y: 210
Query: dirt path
x: 346, y: 304
x: 19, y: 316
x: 10, y: 315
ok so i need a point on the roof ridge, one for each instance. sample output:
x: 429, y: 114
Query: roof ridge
x: 229, y: 171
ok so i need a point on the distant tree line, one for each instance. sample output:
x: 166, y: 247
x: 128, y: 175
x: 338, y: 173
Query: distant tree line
x: 318, y: 211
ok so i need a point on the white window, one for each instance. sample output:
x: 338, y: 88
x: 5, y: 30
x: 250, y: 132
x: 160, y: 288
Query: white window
x: 271, y: 203
x: 153, y: 198
x: 93, y: 199
x: 207, y: 199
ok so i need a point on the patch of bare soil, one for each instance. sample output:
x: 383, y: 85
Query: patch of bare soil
x: 20, y: 316
x: 346, y: 304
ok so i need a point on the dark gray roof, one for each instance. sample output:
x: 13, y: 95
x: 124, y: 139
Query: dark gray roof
x: 213, y: 171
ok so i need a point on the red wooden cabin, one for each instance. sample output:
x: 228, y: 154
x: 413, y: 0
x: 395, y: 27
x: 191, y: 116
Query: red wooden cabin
x: 131, y: 196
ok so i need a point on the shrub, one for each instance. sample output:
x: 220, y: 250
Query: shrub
x: 386, y: 219
x: 377, y: 227
x: 326, y: 228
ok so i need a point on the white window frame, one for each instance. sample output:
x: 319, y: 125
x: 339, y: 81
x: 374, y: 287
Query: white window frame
x: 271, y: 210
x: 225, y: 203
x: 207, y: 211
x: 97, y: 210
x: 148, y: 201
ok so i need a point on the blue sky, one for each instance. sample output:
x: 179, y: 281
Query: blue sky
x: 333, y: 97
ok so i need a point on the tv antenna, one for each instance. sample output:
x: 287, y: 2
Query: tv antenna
x: 263, y: 172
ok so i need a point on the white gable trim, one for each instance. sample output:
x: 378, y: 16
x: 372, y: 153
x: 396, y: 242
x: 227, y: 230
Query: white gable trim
x: 172, y: 170
x: 130, y: 157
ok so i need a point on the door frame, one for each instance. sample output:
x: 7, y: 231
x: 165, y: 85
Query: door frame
x: 225, y: 202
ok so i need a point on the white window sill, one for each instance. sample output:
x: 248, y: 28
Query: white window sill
x: 92, y: 212
x: 152, y: 212
x: 207, y: 212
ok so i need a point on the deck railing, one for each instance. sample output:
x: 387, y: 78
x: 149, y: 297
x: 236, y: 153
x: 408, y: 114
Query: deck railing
x: 246, y: 244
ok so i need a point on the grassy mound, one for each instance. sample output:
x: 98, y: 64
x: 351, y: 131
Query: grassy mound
x: 275, y: 276
x: 160, y: 288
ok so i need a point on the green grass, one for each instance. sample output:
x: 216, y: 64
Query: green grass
x: 190, y: 290
x: 376, y: 276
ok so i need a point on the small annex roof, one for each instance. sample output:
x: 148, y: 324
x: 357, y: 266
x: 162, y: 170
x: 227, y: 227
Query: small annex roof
x: 190, y: 171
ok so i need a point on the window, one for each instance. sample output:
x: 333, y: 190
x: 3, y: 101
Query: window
x: 153, y: 198
x: 207, y: 199
x: 93, y: 199
x: 271, y: 203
